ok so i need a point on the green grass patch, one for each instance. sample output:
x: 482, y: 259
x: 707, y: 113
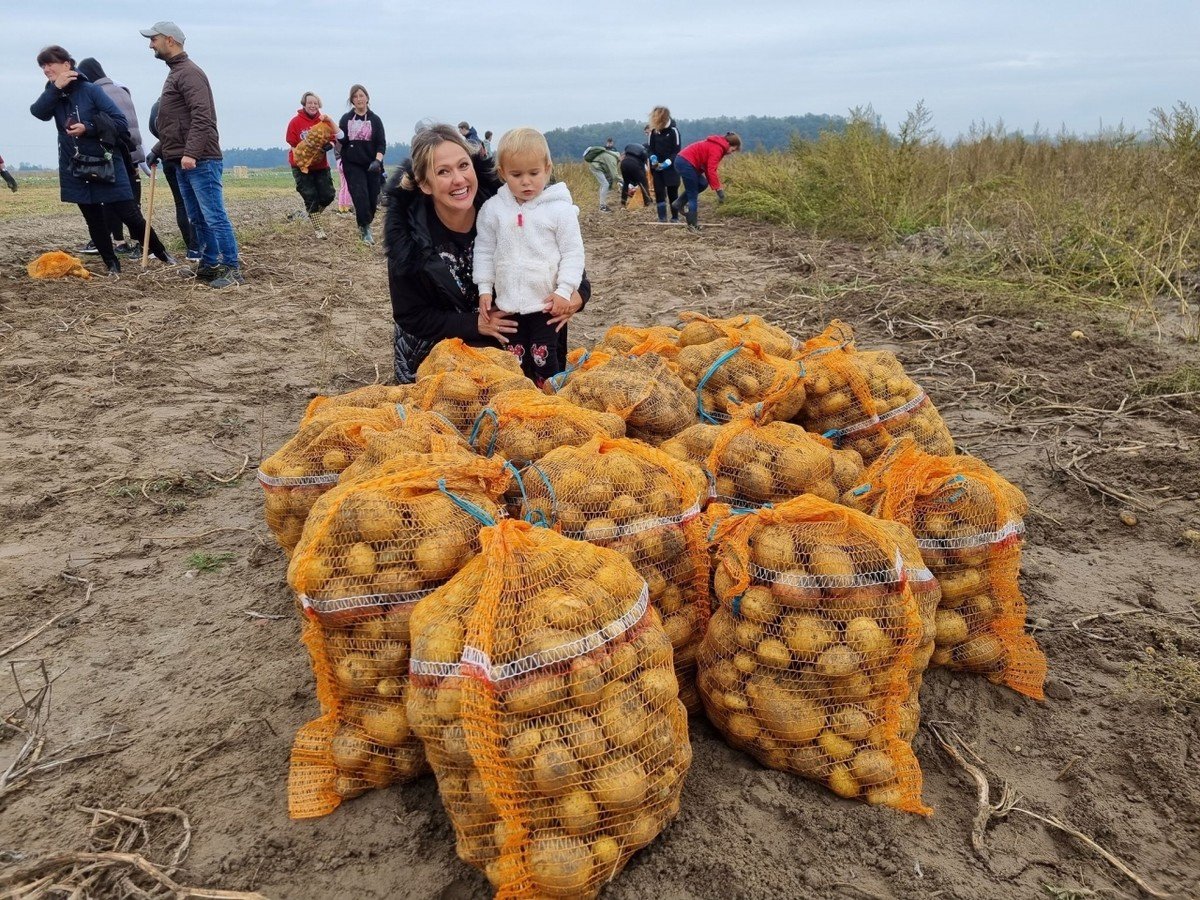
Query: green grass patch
x: 202, y: 561
x: 1184, y: 380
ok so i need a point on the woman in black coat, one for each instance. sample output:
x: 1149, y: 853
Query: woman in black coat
x: 84, y: 115
x: 664, y: 147
x: 430, y: 238
x: 362, y: 147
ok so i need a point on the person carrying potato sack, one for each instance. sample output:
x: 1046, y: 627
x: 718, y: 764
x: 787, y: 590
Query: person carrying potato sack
x: 374, y: 547
x: 813, y: 659
x: 969, y: 524
x: 541, y: 686
x: 697, y: 166
x: 310, y: 135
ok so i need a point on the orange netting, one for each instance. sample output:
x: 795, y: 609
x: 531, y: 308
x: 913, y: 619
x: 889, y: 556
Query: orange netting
x: 701, y: 329
x: 312, y: 147
x: 733, y: 380
x: 455, y: 355
x: 644, y: 391
x: 372, y: 549
x: 524, y: 425
x: 300, y: 471
x: 420, y: 432
x: 371, y: 395
x: 862, y: 400
x: 813, y: 659
x: 57, y: 264
x: 623, y: 338
x: 645, y: 505
x: 541, y: 686
x: 969, y: 524
x: 752, y: 463
x: 461, y: 395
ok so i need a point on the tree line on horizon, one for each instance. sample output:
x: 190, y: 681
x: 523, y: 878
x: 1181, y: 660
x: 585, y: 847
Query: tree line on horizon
x: 758, y: 133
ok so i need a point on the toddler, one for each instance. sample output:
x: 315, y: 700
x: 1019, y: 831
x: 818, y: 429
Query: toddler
x: 529, y: 250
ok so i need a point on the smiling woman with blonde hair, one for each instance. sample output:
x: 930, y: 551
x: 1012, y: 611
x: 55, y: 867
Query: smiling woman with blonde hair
x: 433, y: 202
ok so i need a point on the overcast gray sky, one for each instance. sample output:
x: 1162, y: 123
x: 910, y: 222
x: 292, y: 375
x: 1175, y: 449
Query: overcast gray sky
x: 1053, y: 63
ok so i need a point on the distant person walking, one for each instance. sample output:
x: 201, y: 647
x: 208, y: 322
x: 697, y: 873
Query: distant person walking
x: 171, y: 173
x: 605, y: 166
x: 133, y: 157
x: 89, y: 126
x: 633, y: 172
x: 697, y: 164
x: 471, y: 136
x: 187, y: 126
x: 314, y: 183
x: 363, y: 144
x: 664, y: 147
x: 7, y: 176
x: 345, y: 203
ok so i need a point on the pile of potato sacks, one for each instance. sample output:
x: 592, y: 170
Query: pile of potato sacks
x: 528, y: 592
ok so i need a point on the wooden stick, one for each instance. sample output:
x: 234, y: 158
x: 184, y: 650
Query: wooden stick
x: 149, y: 217
x: 29, y: 637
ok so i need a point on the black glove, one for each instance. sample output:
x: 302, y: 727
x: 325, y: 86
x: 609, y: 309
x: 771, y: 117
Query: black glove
x: 327, y: 148
x: 152, y: 159
x: 9, y: 180
x: 375, y: 166
x: 721, y: 195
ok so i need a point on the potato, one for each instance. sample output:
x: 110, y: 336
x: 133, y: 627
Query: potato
x: 865, y: 637
x: 357, y: 673
x: 349, y: 749
x: 758, y: 605
x: 437, y: 558
x: 577, y: 812
x: 537, y: 694
x: 360, y: 560
x: 854, y: 688
x: 658, y: 687
x: 622, y: 716
x: 524, y: 744
x: 773, y: 654
x: 349, y: 786
x: 842, y: 782
x: 958, y: 586
x: 606, y: 852
x: 620, y: 785
x: 835, y: 746
x: 560, y: 865
x: 585, y: 681
x: 951, y: 628
x: 831, y: 563
x: 742, y: 727
x: 555, y: 769
x: 872, y: 767
x: 787, y: 716
x: 387, y: 724
x: 851, y: 723
x: 807, y: 636
x: 792, y: 595
x: 772, y: 548
x: 982, y: 653
x: 838, y: 661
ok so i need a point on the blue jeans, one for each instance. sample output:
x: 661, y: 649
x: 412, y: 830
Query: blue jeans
x: 202, y: 197
x: 693, y: 183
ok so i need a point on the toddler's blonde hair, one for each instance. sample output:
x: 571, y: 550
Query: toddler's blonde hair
x: 522, y: 141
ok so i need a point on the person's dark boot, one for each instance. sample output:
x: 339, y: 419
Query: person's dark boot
x: 9, y: 180
x: 662, y: 211
x: 114, y: 267
x: 693, y: 221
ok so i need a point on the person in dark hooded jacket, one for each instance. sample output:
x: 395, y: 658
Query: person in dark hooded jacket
x: 82, y: 113
x: 664, y: 145
x: 433, y: 200
x: 171, y: 174
x: 133, y: 154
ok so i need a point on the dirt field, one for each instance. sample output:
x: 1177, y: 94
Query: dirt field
x: 134, y: 416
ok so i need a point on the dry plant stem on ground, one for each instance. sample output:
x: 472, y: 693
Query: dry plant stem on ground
x: 1007, y: 804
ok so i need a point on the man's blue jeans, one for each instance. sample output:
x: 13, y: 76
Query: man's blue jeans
x: 205, y: 203
x: 693, y: 183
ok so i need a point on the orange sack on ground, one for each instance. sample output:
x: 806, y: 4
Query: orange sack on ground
x: 701, y: 329
x: 541, y: 686
x: 813, y: 659
x: 524, y: 425
x: 862, y: 400
x: 372, y: 548
x: 455, y: 355
x: 752, y: 463
x: 57, y: 264
x: 645, y: 391
x: 644, y: 504
x: 736, y: 379
x: 970, y: 526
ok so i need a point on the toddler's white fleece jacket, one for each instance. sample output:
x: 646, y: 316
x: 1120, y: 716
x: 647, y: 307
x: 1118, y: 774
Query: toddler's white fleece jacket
x: 525, y: 251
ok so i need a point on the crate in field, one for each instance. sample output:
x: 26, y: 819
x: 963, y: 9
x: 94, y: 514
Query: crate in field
x: 241, y: 171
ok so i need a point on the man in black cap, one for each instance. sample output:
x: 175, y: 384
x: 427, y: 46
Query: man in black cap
x: 187, y: 128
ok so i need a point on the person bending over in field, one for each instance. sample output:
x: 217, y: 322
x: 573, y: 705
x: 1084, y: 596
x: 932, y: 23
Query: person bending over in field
x: 7, y: 176
x: 697, y: 164
x: 529, y: 251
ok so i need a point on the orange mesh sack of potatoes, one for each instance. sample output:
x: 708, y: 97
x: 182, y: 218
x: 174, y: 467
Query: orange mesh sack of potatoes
x: 372, y: 549
x: 623, y: 338
x: 970, y: 526
x: 625, y: 495
x: 752, y: 463
x: 700, y: 329
x: 541, y: 686
x: 522, y: 426
x: 733, y: 379
x: 312, y: 147
x: 813, y: 658
x: 644, y: 391
x: 863, y: 400
x: 461, y: 395
x: 455, y: 355
x: 309, y: 464
x: 372, y: 395
x: 420, y: 433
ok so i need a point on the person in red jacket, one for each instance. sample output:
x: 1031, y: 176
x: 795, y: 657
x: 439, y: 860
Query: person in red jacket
x: 316, y: 185
x: 697, y: 166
